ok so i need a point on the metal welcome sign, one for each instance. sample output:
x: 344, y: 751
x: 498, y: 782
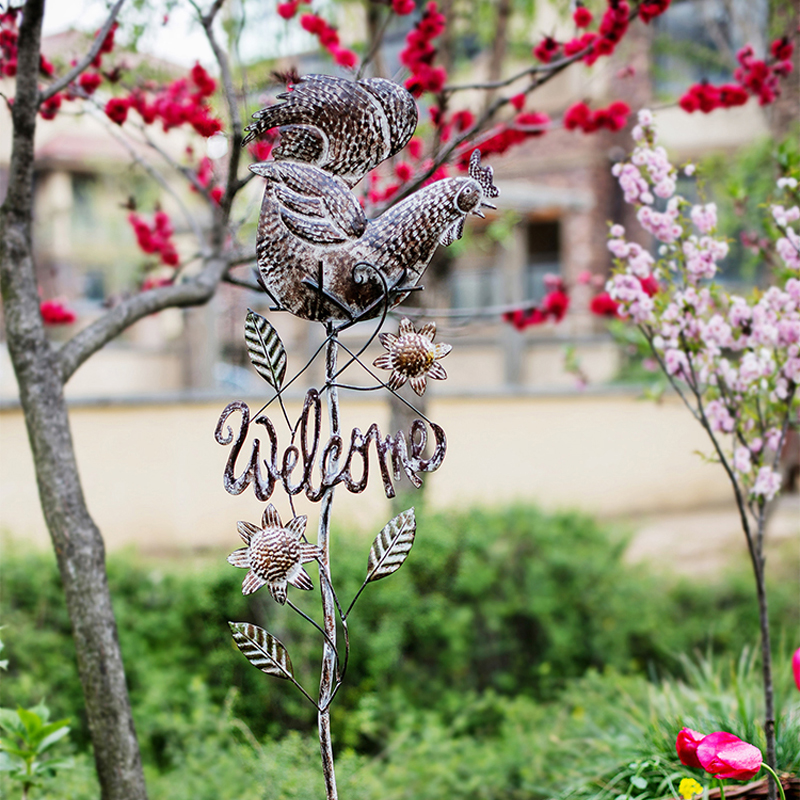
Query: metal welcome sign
x: 321, y: 259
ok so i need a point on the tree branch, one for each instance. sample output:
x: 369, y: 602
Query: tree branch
x: 65, y: 80
x: 192, y: 292
x: 237, y: 133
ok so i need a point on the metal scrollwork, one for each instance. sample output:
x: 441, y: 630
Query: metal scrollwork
x: 336, y: 462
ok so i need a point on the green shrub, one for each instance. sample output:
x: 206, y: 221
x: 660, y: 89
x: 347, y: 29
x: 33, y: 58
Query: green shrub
x: 511, y: 603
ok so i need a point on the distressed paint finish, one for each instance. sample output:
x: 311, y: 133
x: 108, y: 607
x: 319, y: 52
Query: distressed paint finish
x: 341, y: 126
x: 413, y: 356
x: 312, y: 232
x: 274, y: 555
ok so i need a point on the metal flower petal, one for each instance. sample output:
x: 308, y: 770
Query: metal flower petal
x: 412, y: 356
x: 274, y: 555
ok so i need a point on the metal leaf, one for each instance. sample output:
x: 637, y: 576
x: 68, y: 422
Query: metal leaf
x: 265, y: 349
x: 262, y: 649
x: 391, y: 546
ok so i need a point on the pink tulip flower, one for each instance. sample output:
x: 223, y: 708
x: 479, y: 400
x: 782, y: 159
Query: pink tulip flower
x: 796, y: 667
x: 686, y: 745
x: 724, y: 755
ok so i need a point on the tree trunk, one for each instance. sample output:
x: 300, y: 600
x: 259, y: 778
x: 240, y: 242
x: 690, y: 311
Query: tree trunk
x: 76, y: 539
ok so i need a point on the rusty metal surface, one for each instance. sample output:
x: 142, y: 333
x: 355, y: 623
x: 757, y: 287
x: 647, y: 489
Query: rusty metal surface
x: 312, y: 232
x: 396, y: 455
x: 274, y: 555
x: 412, y: 356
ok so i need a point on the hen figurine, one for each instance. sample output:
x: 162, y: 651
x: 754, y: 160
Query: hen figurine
x: 313, y: 238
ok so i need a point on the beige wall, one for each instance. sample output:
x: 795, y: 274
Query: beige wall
x: 153, y: 473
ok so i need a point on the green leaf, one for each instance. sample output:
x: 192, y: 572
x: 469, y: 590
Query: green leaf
x: 53, y: 733
x: 391, y: 546
x: 10, y: 722
x: 265, y: 349
x: 639, y: 782
x: 10, y: 762
x: 32, y: 722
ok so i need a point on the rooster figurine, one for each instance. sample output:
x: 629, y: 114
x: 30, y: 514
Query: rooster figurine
x: 318, y: 255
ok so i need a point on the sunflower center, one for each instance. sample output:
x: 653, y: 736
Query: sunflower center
x: 413, y: 354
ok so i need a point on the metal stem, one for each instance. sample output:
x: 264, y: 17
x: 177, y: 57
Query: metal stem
x: 328, y: 671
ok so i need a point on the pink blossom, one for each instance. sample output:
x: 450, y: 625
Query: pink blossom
x: 741, y: 460
x: 767, y: 484
x: 705, y: 217
x: 719, y: 417
x: 796, y: 667
x: 677, y: 363
x: 774, y: 438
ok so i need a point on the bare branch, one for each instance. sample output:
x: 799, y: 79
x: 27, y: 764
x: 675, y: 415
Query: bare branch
x: 242, y: 282
x: 161, y: 181
x: 534, y: 70
x: 65, y: 80
x: 237, y: 133
x: 192, y: 292
x: 376, y: 45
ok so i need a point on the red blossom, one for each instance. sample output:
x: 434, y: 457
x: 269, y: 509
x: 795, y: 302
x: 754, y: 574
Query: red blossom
x: 108, y: 42
x: 556, y: 304
x: 404, y: 171
x: 518, y: 101
x: 686, y: 747
x: 89, y: 81
x: 724, y: 755
x: 547, y: 49
x: 45, y: 67
x: 55, y: 313
x: 650, y: 285
x: 582, y: 17
x: 206, y: 85
x: 288, y: 10
x: 652, y: 9
x: 462, y: 120
x: 603, y: 305
x: 260, y: 150
x: 782, y: 49
x: 156, y: 238
x: 419, y: 53
x: 415, y: 147
x: 403, y: 7
x: 117, y: 109
x: 344, y: 57
x: 216, y: 194
x: 49, y: 107
x: 580, y: 116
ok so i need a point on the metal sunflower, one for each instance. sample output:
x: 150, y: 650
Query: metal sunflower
x: 274, y: 554
x: 412, y: 356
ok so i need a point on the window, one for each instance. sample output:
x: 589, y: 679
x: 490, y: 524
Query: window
x: 543, y: 256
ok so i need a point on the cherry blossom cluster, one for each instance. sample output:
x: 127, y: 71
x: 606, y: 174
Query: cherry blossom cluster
x: 754, y: 77
x: 580, y: 116
x: 328, y: 38
x: 602, y: 42
x: 55, y: 312
x: 554, y: 306
x: 735, y: 360
x: 155, y: 238
x: 205, y: 177
x: 184, y: 101
x: 525, y: 126
x: 326, y: 34
x: 419, y: 54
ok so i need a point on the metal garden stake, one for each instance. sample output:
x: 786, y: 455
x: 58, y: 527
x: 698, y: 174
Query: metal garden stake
x: 321, y: 259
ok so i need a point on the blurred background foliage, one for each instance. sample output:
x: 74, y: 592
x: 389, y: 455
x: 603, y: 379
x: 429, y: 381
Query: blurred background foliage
x: 515, y: 655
